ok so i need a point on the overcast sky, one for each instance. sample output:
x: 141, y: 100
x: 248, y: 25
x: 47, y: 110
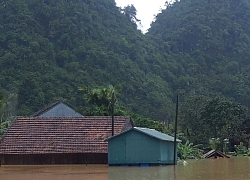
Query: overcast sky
x: 146, y: 9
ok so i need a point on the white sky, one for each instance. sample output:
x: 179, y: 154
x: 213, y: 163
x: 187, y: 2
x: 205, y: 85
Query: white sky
x: 146, y: 9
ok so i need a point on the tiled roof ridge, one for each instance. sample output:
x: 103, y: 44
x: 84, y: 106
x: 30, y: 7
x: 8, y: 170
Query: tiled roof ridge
x: 83, y: 117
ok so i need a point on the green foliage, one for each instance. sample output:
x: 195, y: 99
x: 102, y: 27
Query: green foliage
x: 205, y: 47
x: 202, y: 118
x: 220, y: 144
x: 99, y: 100
x: 215, y: 143
x: 130, y: 12
x: 248, y: 152
x: 1, y: 101
x: 224, y: 119
x: 189, y: 151
x: 7, y: 110
x: 148, y: 123
x: 50, y: 48
x: 190, y: 121
x: 241, y: 150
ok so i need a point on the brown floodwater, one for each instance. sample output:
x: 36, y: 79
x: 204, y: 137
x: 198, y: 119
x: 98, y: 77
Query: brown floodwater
x: 235, y: 168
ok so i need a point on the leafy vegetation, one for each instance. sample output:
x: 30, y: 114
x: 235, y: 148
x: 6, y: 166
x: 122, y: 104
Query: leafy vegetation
x: 99, y: 103
x: 205, y: 47
x: 50, y: 48
x: 241, y: 150
x: 189, y: 151
x: 203, y: 118
x: 199, y: 50
x: 215, y: 143
x: 148, y: 123
x: 7, y: 111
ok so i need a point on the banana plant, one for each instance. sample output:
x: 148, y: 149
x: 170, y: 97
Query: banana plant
x: 189, y: 151
x: 241, y: 149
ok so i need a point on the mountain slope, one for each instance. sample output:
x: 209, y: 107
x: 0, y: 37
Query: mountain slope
x: 209, y: 41
x: 50, y: 48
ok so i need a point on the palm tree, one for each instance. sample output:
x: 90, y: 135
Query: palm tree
x: 100, y: 99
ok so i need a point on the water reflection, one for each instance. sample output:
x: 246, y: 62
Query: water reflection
x: 131, y: 173
x: 236, y: 168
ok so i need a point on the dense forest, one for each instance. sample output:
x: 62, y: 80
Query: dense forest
x: 50, y: 48
x: 209, y: 42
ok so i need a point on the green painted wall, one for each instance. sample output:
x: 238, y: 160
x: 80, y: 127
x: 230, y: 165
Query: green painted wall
x: 167, y: 152
x: 134, y: 147
x: 117, y: 150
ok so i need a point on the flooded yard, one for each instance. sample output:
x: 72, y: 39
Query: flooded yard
x: 235, y: 168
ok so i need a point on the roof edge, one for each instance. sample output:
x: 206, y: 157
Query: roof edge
x: 46, y: 108
x: 136, y: 128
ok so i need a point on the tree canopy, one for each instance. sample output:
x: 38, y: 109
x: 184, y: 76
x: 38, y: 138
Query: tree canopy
x: 50, y: 48
x: 202, y: 118
x: 209, y: 42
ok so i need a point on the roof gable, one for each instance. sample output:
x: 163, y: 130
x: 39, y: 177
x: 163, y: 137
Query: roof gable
x: 214, y: 153
x: 38, y: 135
x: 149, y: 132
x: 156, y: 134
x: 58, y: 109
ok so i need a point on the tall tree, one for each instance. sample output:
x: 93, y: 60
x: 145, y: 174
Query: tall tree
x: 99, y: 99
x: 190, y: 121
x: 203, y: 118
x: 49, y: 48
x: 209, y: 40
x: 224, y: 119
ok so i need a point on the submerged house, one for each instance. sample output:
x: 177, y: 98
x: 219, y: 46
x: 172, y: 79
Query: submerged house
x: 214, y: 154
x: 138, y: 146
x: 60, y: 140
x: 57, y: 134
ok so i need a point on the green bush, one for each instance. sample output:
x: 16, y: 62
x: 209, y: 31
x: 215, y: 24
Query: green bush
x: 189, y: 151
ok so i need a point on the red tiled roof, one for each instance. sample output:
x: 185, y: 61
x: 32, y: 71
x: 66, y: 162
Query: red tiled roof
x: 37, y: 135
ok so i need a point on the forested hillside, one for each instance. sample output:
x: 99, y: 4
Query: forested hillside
x: 50, y: 48
x: 209, y: 41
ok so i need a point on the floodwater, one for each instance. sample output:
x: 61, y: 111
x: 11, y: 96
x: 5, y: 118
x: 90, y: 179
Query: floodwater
x: 235, y: 168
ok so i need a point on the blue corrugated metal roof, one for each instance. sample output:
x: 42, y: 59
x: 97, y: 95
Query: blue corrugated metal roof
x: 156, y: 134
x: 149, y: 132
